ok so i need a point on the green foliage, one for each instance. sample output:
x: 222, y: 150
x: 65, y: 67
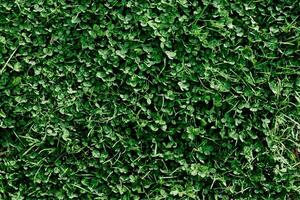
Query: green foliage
x: 169, y: 99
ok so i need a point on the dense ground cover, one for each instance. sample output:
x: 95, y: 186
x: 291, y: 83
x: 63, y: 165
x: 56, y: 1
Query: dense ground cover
x: 164, y: 99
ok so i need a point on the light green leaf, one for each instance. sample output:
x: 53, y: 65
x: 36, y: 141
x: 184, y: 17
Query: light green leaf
x: 2, y: 114
x: 171, y: 55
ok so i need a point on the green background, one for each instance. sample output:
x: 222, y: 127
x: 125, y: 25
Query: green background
x: 168, y: 99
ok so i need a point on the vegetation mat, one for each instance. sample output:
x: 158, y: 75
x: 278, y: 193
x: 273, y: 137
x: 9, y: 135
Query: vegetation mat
x: 149, y: 99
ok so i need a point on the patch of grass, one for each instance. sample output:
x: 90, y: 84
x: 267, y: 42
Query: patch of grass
x: 157, y: 100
